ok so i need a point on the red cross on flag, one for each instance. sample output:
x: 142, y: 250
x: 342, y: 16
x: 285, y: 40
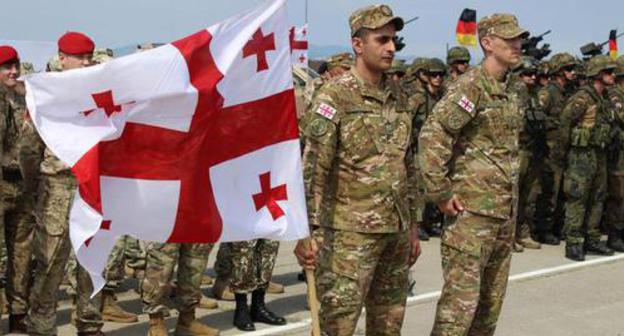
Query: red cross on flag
x: 194, y: 141
x: 298, y: 37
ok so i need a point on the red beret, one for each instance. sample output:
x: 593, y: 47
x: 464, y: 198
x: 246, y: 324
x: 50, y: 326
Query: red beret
x: 74, y: 43
x: 8, y: 54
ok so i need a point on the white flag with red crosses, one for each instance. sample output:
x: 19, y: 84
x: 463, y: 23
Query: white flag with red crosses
x: 192, y: 142
x: 299, y: 45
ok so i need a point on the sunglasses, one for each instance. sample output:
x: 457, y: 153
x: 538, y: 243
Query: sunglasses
x: 569, y: 68
x: 608, y: 71
x: 435, y: 74
x: 460, y: 62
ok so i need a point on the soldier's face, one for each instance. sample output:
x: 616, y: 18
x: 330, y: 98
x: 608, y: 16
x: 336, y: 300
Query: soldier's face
x: 9, y: 73
x: 461, y: 66
x: 69, y: 62
x: 506, y: 51
x: 436, y: 79
x: 569, y: 72
x: 529, y: 78
x: 377, y: 48
x: 608, y: 77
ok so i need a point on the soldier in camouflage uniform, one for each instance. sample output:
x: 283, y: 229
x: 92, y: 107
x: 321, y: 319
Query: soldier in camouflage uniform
x: 468, y: 151
x: 458, y: 61
x: 191, y: 260
x: 614, y: 215
x: 398, y: 70
x: 253, y: 263
x: 423, y: 101
x: 551, y: 99
x: 586, y: 123
x: 51, y: 242
x: 532, y: 149
x: 335, y: 66
x: 17, y: 206
x: 356, y: 166
x: 415, y: 78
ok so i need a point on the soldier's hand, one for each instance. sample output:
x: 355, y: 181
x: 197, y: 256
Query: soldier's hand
x: 451, y: 207
x: 414, y: 246
x: 306, y: 251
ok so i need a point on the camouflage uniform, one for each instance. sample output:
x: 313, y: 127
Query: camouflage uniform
x: 252, y: 264
x: 455, y: 54
x: 469, y: 149
x: 135, y: 253
x: 411, y: 82
x: 615, y: 201
x: 162, y: 258
x: 356, y: 166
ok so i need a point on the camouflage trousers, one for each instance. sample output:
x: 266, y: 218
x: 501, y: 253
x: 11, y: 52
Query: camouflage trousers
x: 253, y: 263
x: 585, y: 185
x: 614, y: 208
x: 223, y: 265
x: 51, y: 250
x: 18, y: 224
x: 476, y: 256
x: 162, y: 258
x: 356, y: 270
x: 528, y: 191
x: 135, y: 253
x: 114, y: 272
x: 548, y: 206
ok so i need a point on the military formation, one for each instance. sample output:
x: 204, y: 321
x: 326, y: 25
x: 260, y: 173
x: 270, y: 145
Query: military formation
x: 494, y: 158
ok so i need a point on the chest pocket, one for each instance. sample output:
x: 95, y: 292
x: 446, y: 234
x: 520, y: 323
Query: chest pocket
x: 360, y: 133
x: 499, y: 119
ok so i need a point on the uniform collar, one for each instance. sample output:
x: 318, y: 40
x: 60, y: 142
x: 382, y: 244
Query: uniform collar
x: 381, y: 93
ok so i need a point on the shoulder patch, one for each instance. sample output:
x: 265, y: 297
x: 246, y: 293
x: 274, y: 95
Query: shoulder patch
x: 466, y: 104
x: 326, y: 111
x: 318, y: 127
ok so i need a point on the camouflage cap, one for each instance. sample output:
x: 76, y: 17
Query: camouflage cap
x: 374, y: 17
x: 457, y: 54
x: 344, y: 60
x: 502, y: 25
x: 599, y: 63
x: 561, y: 60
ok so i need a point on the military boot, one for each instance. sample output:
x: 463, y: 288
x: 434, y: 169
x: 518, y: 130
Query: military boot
x: 517, y: 247
x: 188, y: 325
x: 529, y: 243
x: 259, y: 311
x: 242, y: 316
x: 157, y: 325
x: 575, y: 252
x: 549, y: 239
x: 208, y: 303
x: 275, y: 288
x: 597, y: 247
x: 112, y: 312
x: 221, y: 290
x: 17, y: 324
x: 615, y: 240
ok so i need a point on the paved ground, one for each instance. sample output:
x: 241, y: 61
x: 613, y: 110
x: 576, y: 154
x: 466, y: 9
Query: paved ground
x: 588, y: 300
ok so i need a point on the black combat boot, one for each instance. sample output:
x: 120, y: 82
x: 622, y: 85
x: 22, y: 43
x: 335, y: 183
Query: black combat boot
x: 548, y: 239
x: 615, y: 240
x: 435, y: 231
x: 422, y: 233
x: 259, y: 311
x: 597, y: 247
x: 242, y: 318
x: 575, y: 252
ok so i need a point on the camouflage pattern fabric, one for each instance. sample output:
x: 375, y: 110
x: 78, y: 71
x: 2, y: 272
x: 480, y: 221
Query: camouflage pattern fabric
x: 52, y: 248
x: 474, y: 129
x: 475, y: 276
x: 114, y: 272
x: 373, y: 17
x: 223, y: 265
x: 587, y: 124
x: 614, y: 210
x: 362, y: 269
x: 135, y: 253
x: 162, y: 258
x: 253, y: 263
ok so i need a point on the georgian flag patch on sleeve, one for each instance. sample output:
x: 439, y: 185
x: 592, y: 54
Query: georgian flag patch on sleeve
x: 466, y: 104
x: 326, y: 111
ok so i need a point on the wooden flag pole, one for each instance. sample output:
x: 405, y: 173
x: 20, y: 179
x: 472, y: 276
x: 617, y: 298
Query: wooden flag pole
x: 312, y: 301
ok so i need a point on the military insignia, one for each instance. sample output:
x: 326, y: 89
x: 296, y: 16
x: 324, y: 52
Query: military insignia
x: 318, y: 127
x: 466, y: 104
x: 326, y: 111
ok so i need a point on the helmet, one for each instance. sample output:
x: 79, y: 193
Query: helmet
x: 418, y: 64
x: 619, y: 63
x: 526, y: 63
x: 543, y: 69
x: 599, y: 63
x: 560, y: 61
x: 435, y: 65
x: 398, y: 66
x: 457, y: 54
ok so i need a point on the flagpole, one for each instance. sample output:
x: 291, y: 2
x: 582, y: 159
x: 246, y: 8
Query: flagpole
x: 312, y: 301
x: 306, y: 11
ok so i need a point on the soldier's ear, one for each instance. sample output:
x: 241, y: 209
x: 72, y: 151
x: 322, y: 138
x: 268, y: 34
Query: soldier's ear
x: 356, y: 44
x: 486, y: 44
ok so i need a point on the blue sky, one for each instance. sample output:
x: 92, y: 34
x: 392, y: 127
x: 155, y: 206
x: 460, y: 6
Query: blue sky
x: 115, y: 23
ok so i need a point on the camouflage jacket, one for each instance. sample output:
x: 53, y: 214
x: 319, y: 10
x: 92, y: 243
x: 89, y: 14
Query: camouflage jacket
x: 616, y: 96
x: 13, y: 114
x: 468, y: 147
x: 587, y: 120
x: 534, y: 119
x: 411, y: 85
x: 551, y: 99
x: 356, y: 157
x: 423, y: 102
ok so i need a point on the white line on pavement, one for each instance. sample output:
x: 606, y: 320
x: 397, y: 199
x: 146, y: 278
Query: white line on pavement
x: 426, y: 297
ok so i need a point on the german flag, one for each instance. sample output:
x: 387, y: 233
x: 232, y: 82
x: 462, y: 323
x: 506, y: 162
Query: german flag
x: 613, y: 50
x: 467, y: 28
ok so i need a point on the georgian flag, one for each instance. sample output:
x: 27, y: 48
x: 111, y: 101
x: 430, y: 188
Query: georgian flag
x: 195, y: 141
x: 299, y: 45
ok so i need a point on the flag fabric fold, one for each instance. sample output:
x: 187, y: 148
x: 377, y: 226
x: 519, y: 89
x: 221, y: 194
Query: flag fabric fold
x: 466, y: 31
x: 191, y: 142
x: 299, y: 45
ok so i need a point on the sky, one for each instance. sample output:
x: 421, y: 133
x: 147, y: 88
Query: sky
x: 116, y: 23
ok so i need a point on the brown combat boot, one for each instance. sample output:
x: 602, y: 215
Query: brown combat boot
x: 517, y: 247
x: 221, y: 290
x: 157, y: 325
x: 275, y: 288
x: 208, y: 303
x: 529, y: 243
x: 17, y: 324
x: 189, y: 326
x: 112, y: 312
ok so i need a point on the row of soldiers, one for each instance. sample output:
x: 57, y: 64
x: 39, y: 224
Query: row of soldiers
x: 37, y: 191
x: 549, y: 209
